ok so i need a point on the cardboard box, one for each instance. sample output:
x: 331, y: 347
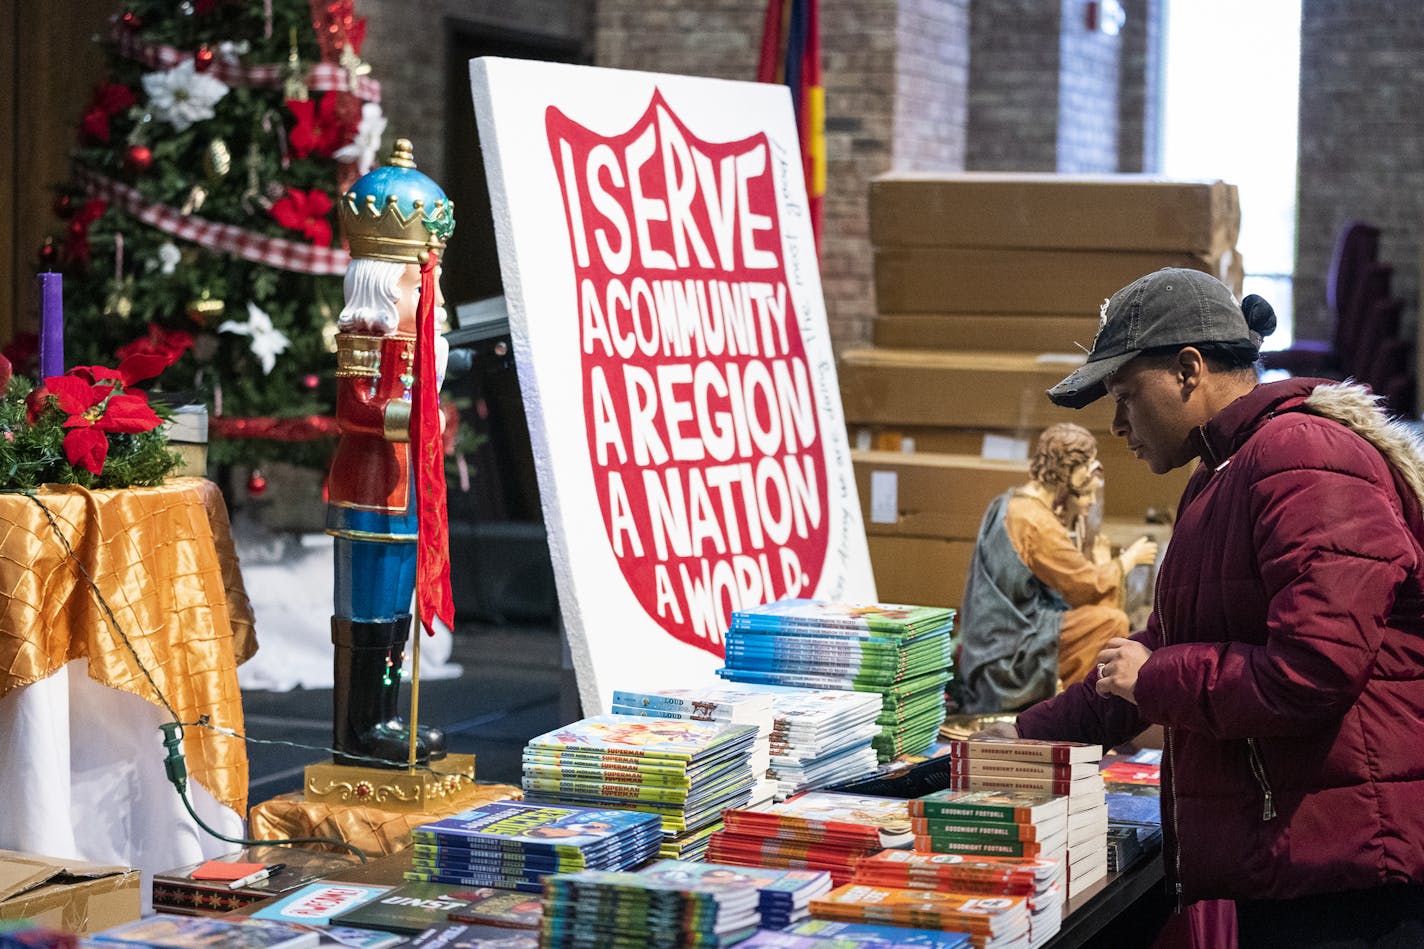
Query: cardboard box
x: 923, y: 571
x: 1034, y: 332
x: 961, y: 389
x: 1044, y: 210
x: 1131, y: 489
x: 68, y: 895
x: 976, y: 280
x: 930, y: 494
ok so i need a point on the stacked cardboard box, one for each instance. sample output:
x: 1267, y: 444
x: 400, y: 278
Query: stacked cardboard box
x: 988, y: 292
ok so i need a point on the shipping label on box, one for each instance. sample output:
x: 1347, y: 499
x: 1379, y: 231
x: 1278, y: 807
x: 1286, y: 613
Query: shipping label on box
x: 929, y: 494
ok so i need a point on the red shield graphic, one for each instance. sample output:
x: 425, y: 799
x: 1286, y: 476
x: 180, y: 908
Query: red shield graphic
x: 703, y: 434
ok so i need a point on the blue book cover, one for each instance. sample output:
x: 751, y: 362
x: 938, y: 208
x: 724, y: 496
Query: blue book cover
x: 538, y: 827
x: 316, y: 903
x: 202, y: 932
x: 872, y: 936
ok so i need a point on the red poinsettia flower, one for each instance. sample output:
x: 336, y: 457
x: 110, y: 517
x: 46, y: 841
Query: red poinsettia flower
x: 108, y: 99
x: 167, y: 345
x: 94, y: 400
x: 305, y: 211
x: 321, y: 128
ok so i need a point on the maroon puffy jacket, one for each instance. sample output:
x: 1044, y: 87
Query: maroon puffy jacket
x: 1288, y: 654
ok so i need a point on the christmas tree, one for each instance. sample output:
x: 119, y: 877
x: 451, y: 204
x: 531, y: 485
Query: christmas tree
x: 200, y: 221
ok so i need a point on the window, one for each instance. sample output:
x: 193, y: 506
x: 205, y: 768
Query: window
x: 1229, y: 111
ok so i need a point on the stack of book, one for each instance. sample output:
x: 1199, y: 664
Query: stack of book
x: 684, y: 771
x: 813, y: 737
x: 992, y: 823
x: 817, y: 830
x: 600, y: 908
x: 995, y: 923
x: 732, y: 704
x: 814, y: 933
x: 821, y: 737
x: 514, y: 845
x: 1037, y: 881
x: 824, y: 934
x: 1062, y: 768
x: 903, y: 653
x: 783, y: 896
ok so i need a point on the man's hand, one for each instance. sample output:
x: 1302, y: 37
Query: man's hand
x: 996, y: 730
x: 1118, y: 663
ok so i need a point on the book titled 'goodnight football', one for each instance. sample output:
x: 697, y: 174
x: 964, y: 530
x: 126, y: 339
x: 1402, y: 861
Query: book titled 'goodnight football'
x: 515, y: 844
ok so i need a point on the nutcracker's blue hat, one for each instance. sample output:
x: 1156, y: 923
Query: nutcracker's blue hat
x: 395, y: 212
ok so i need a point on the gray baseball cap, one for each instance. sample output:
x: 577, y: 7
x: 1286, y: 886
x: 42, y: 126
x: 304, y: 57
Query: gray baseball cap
x: 1172, y: 307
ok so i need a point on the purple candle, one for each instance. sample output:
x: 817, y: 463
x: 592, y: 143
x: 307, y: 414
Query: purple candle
x: 51, y: 325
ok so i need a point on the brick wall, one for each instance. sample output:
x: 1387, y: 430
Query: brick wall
x: 932, y: 88
x: 1140, y: 88
x: 1087, y: 95
x: 1361, y: 142
x: 407, y: 54
x: 1013, y: 85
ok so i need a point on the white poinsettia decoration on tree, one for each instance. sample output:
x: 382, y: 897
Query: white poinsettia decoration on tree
x: 183, y: 96
x: 268, y: 342
x: 362, y: 149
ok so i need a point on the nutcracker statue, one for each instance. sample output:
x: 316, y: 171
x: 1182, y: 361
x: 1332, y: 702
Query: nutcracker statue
x: 385, y: 490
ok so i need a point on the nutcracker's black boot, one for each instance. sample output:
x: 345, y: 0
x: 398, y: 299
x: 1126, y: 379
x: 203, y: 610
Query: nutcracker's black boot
x: 364, y: 696
x: 431, y: 738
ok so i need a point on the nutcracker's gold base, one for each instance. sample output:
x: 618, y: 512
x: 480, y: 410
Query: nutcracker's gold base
x: 444, y: 787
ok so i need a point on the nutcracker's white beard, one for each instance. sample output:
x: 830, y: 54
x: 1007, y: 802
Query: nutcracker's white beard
x: 372, y: 290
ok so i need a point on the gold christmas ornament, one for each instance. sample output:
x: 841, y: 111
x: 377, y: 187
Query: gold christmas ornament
x: 217, y: 160
x: 205, y: 308
x: 195, y: 200
x: 119, y: 301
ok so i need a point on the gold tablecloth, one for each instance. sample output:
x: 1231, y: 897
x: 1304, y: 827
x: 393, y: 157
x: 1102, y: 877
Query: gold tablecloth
x: 162, y: 559
x: 374, y: 830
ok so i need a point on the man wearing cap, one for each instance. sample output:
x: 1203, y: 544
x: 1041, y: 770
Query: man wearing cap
x: 1285, y: 654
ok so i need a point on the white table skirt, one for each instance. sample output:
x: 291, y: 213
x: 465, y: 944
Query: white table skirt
x: 82, y: 777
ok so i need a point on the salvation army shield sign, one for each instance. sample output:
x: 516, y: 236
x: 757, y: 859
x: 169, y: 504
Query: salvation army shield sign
x: 670, y: 337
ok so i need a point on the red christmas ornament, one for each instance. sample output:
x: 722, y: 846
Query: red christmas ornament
x: 132, y: 20
x: 137, y: 159
x: 62, y: 207
x: 203, y: 59
x: 256, y: 484
x: 310, y: 380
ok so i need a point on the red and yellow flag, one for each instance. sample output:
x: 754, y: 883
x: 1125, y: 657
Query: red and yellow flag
x: 791, y: 53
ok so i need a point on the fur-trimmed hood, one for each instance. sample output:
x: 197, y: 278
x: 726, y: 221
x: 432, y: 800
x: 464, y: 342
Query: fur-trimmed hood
x: 1350, y: 404
x: 1360, y: 410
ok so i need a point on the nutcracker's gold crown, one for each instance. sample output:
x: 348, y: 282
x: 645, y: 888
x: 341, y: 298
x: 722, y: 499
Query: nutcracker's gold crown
x: 396, y: 213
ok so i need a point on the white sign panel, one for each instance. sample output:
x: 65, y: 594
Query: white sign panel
x: 677, y: 373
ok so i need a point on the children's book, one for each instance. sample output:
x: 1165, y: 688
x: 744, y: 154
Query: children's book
x: 410, y: 908
x: 316, y: 903
x: 679, y: 739
x: 203, y: 932
x: 829, y: 815
x: 538, y: 827
x: 353, y: 938
x: 1022, y: 807
x: 1025, y: 749
x: 869, y: 935
x: 491, y: 907
x: 459, y: 936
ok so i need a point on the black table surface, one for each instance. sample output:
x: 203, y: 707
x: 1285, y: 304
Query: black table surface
x: 1088, y: 912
